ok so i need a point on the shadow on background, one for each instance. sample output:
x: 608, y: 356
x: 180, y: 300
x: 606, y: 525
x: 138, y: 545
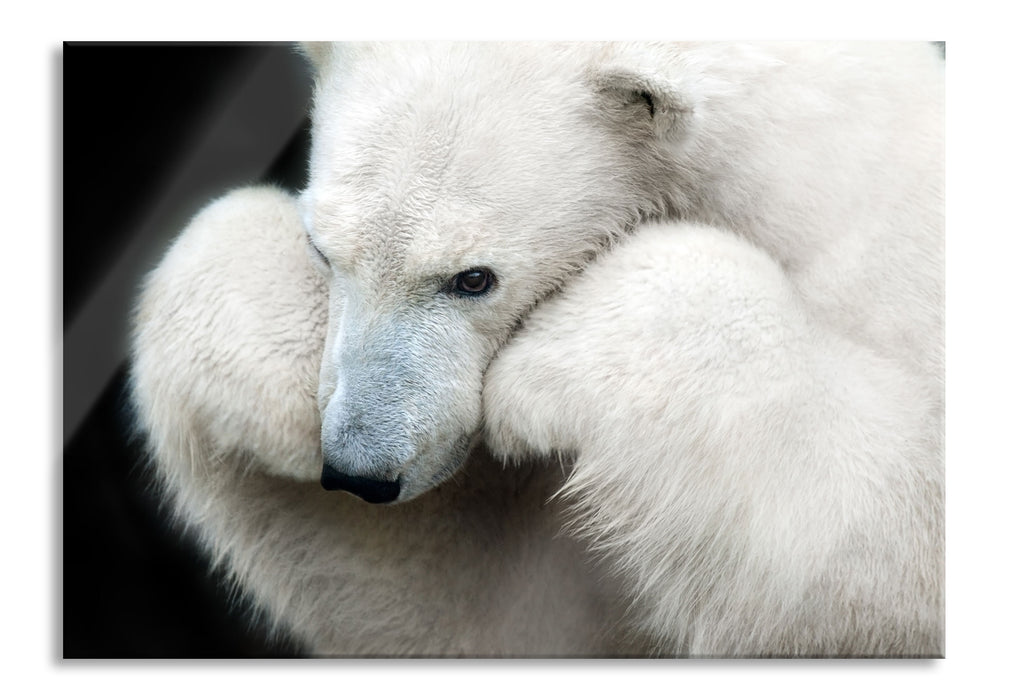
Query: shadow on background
x: 150, y: 134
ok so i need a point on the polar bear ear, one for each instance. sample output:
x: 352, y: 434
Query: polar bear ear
x: 631, y: 97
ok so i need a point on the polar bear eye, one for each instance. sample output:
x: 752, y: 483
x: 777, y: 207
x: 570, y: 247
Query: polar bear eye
x: 474, y: 282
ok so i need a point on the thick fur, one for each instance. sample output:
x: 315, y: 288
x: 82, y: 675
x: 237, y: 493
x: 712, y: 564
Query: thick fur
x: 528, y: 159
x: 764, y: 485
x: 230, y: 333
x: 751, y: 413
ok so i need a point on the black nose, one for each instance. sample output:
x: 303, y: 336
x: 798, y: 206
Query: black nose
x: 371, y: 490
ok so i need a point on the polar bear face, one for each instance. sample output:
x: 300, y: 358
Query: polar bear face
x: 451, y: 188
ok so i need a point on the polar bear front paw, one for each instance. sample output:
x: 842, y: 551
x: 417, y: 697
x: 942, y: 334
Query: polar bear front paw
x: 228, y: 338
x: 730, y: 452
x: 669, y: 315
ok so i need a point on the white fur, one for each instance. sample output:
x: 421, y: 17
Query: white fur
x: 230, y: 334
x: 429, y: 159
x: 755, y: 428
x: 764, y: 485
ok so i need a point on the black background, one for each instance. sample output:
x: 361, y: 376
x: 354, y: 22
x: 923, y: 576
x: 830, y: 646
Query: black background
x: 133, y: 586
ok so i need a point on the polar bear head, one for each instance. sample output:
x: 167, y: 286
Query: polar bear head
x: 451, y: 188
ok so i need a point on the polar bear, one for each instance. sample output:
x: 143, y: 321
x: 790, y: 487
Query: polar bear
x: 750, y: 444
x: 427, y: 158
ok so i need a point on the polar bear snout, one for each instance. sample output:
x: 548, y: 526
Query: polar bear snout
x: 399, y: 390
x: 365, y: 448
x: 370, y: 490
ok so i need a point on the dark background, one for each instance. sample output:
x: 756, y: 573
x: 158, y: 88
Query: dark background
x: 150, y: 133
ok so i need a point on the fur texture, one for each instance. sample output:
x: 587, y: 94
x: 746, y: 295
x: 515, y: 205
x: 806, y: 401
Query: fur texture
x: 751, y: 412
x: 528, y: 159
x: 230, y: 333
x: 764, y: 485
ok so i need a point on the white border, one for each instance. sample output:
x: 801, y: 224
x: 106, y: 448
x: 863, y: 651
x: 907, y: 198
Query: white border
x: 976, y: 240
